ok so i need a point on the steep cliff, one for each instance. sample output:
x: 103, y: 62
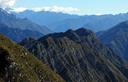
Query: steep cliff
x: 78, y: 56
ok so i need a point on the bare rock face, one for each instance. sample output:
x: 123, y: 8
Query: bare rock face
x: 78, y: 56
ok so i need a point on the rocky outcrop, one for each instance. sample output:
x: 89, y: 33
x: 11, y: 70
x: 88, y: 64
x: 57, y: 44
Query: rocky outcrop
x: 78, y: 56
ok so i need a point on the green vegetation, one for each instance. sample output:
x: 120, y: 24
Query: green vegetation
x: 23, y: 66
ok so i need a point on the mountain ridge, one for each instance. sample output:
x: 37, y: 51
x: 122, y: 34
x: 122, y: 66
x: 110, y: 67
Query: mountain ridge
x: 17, y: 34
x: 78, y: 56
x: 116, y: 38
x: 61, y: 22
x: 12, y: 21
x: 17, y: 29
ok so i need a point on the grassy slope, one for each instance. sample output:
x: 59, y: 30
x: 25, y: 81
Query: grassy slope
x: 26, y: 67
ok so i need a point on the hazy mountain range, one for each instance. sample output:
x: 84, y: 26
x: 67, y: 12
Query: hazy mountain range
x: 17, y: 28
x: 59, y: 22
x: 17, y: 34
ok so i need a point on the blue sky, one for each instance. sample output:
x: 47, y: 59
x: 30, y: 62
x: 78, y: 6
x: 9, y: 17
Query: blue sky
x: 83, y: 6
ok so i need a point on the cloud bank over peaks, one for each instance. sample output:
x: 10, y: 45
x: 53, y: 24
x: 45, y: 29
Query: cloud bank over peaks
x: 69, y: 10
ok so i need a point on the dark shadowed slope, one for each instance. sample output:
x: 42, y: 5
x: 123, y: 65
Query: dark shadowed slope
x: 78, y: 56
x: 117, y: 39
x: 18, y: 65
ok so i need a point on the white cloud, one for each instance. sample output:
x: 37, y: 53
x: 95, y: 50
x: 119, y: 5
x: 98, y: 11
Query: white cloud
x: 7, y: 3
x: 69, y: 10
x: 19, y: 9
x: 57, y: 9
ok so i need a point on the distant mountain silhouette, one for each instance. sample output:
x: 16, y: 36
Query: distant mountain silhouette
x: 44, y: 17
x: 17, y: 29
x: 117, y: 39
x: 13, y: 22
x: 60, y: 22
x: 17, y: 34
